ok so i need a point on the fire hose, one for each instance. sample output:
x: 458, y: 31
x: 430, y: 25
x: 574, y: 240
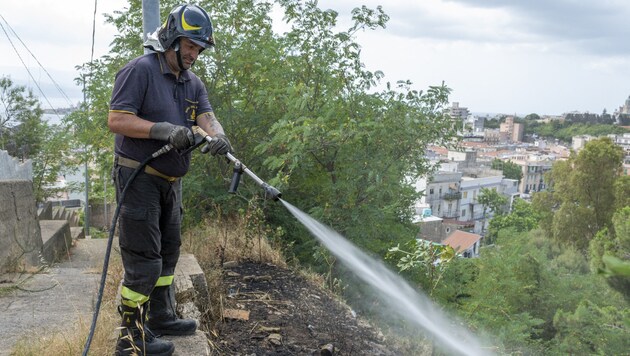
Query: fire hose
x: 239, y: 168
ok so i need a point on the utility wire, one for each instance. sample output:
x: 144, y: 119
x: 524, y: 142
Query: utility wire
x: 32, y: 55
x: 27, y: 70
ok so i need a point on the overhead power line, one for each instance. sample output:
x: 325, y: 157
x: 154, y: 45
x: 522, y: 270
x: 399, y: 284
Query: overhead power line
x: 38, y: 62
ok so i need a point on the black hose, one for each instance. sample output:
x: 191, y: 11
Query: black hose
x: 108, y: 251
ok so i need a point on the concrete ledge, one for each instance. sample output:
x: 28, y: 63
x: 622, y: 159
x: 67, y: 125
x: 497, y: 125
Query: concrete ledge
x: 57, y: 239
x: 191, y: 293
x: 190, y: 283
x: 196, y: 344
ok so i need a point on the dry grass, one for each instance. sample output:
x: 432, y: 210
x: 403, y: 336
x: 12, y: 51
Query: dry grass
x: 218, y: 241
x: 237, y: 239
x: 71, y: 340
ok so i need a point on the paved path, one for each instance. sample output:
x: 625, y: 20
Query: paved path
x: 61, y: 295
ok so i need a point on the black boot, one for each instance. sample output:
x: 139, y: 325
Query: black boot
x: 135, y: 338
x: 163, y: 319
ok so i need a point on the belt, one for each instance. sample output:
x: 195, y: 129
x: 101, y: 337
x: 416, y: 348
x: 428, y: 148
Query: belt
x: 129, y: 163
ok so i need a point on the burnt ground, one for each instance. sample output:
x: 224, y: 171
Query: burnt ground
x: 269, y: 310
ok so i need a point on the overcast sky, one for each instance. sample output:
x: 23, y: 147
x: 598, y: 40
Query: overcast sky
x: 497, y: 56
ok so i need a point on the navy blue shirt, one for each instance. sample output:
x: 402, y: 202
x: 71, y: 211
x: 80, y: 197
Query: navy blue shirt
x: 147, y: 88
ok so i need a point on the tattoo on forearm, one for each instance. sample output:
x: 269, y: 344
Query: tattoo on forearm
x: 213, y: 123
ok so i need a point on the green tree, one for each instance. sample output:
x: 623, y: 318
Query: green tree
x: 21, y: 124
x: 610, y: 252
x: 532, y: 117
x: 344, y: 154
x: 523, y: 217
x: 422, y: 261
x: 592, y: 330
x: 506, y: 292
x: 492, y: 201
x: 622, y: 192
x: 519, y: 286
x: 582, y: 198
x: 510, y: 169
x: 53, y: 160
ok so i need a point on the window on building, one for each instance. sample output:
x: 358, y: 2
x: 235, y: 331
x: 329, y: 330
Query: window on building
x: 431, y: 191
x: 465, y: 195
x: 463, y: 212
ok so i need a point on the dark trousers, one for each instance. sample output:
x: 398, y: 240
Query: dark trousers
x: 149, y: 228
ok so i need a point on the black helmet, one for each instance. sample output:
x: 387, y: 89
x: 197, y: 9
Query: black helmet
x: 190, y: 21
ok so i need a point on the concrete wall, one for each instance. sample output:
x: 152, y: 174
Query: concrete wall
x: 11, y: 168
x: 100, y: 217
x: 20, y: 235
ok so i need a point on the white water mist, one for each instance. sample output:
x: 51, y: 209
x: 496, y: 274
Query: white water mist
x: 410, y: 305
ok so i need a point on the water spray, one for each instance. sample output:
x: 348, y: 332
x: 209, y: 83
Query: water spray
x: 400, y: 298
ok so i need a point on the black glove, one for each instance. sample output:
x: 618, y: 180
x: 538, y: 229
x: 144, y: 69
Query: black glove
x: 179, y: 136
x: 219, y: 145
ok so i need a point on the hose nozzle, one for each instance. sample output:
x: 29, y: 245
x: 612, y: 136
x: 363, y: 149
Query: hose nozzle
x: 271, y: 192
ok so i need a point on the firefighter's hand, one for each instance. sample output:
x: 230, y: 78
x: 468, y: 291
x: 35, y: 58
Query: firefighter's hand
x: 179, y: 136
x: 219, y: 145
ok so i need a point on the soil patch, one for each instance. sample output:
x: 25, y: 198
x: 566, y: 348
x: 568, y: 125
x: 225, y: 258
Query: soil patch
x: 269, y: 310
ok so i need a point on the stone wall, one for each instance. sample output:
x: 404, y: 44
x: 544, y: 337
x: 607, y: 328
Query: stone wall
x: 20, y: 234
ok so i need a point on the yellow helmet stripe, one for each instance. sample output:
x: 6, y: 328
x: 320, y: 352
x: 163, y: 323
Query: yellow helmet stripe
x: 188, y: 27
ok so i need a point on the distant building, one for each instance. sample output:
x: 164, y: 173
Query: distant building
x: 533, y: 175
x: 491, y: 136
x: 453, y: 196
x: 457, y: 111
x: 578, y: 142
x: 442, y: 194
x: 474, y: 125
x: 625, y: 108
x: 623, y: 141
x: 466, y: 158
x: 465, y: 244
x: 510, y: 131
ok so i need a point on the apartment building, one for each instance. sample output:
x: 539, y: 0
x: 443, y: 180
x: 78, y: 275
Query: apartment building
x: 491, y: 136
x: 456, y: 111
x: 453, y: 196
x: 510, y: 131
x: 442, y: 194
x: 471, y: 188
x: 623, y: 141
x: 578, y: 142
x: 533, y: 170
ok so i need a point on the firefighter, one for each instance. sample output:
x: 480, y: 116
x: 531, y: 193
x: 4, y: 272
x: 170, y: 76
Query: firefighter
x: 156, y: 100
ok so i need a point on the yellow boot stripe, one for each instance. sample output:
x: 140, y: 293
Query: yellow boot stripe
x: 164, y: 281
x: 131, y: 298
